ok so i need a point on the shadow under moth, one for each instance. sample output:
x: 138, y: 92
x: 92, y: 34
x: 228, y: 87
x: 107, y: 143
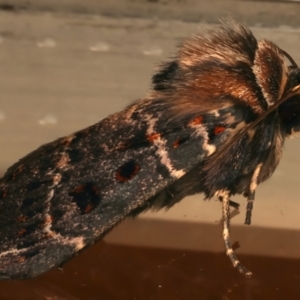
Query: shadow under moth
x: 214, y: 122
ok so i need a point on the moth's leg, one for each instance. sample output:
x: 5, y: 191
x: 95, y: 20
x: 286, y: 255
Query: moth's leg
x: 226, y: 236
x: 232, y: 203
x: 251, y: 194
x: 249, y: 207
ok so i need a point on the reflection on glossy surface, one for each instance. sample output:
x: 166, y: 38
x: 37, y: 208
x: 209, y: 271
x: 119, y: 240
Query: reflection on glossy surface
x: 111, y: 272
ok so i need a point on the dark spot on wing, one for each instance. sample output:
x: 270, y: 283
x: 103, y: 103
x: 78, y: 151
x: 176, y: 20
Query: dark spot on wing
x: 31, y: 206
x: 30, y: 228
x: 27, y: 202
x: 78, y: 137
x: 86, y: 196
x: 34, y: 184
x: 127, y: 171
x: 162, y: 170
x: 75, y: 155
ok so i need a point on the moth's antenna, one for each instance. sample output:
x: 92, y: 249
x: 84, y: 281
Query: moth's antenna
x: 289, y: 58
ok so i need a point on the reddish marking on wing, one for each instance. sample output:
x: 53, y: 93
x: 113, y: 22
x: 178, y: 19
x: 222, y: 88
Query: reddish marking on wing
x: 21, y: 219
x: 219, y: 129
x: 152, y: 137
x: 176, y: 144
x: 96, y: 190
x: 78, y: 189
x: 179, y: 142
x: 22, y: 232
x: 88, y: 208
x: 196, y: 121
x: 21, y: 259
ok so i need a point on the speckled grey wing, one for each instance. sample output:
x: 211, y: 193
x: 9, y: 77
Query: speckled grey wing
x: 67, y: 194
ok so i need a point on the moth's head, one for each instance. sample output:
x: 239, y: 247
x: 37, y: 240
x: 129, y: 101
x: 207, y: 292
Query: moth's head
x: 289, y: 110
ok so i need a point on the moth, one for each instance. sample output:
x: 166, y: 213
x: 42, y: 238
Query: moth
x: 214, y: 122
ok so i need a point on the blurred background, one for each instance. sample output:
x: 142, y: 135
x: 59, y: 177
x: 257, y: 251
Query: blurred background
x: 66, y: 64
